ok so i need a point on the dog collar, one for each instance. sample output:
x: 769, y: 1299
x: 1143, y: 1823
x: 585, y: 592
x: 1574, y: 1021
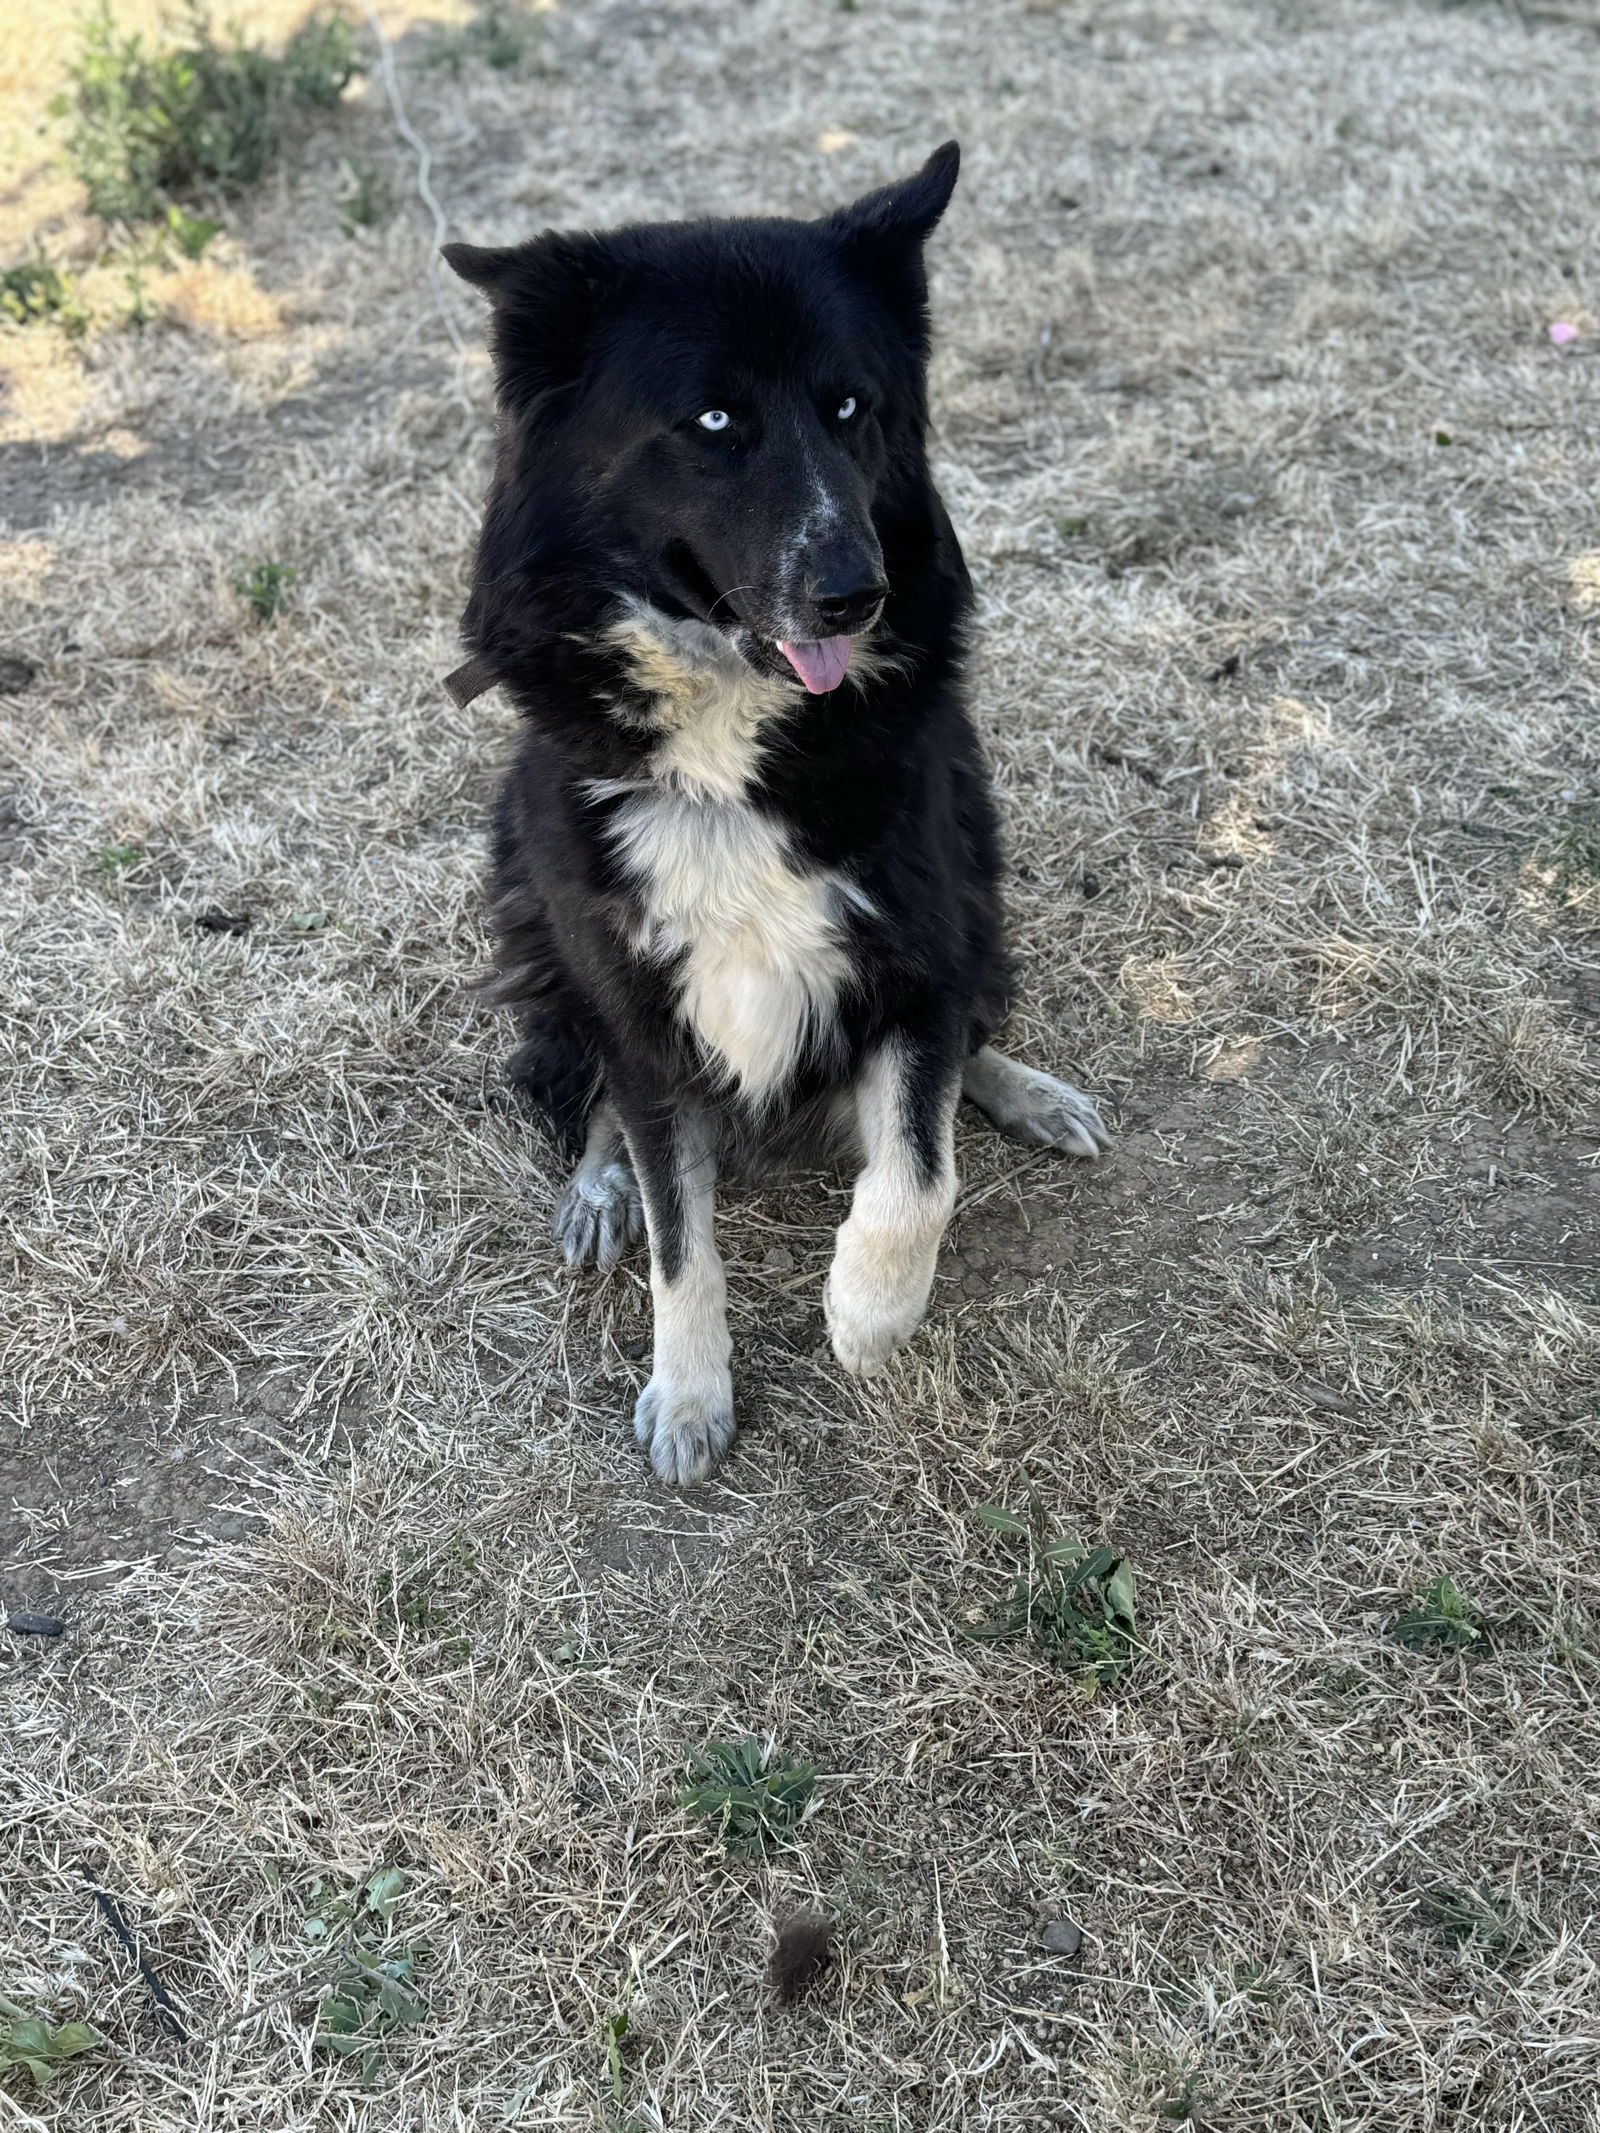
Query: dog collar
x: 468, y: 682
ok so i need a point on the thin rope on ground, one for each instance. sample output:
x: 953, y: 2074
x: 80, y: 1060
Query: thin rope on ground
x: 419, y: 147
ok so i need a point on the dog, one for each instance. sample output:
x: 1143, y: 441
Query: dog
x: 745, y: 866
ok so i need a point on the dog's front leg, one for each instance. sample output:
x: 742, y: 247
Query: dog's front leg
x: 685, y: 1414
x: 888, y: 1247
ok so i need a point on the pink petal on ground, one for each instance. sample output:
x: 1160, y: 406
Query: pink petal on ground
x: 1561, y: 333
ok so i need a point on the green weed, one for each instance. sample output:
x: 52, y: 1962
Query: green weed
x: 190, y: 233
x: 36, y: 290
x: 501, y: 35
x: 1182, y: 2105
x: 140, y: 310
x: 146, y: 124
x: 1491, y: 1925
x: 26, y: 2040
x: 756, y: 1798
x: 266, y: 586
x: 364, y: 196
x: 319, y: 60
x: 372, y: 1998
x: 1442, y: 1616
x: 616, y: 2028
x: 349, y: 1907
x: 1072, y: 1602
x: 413, y: 1607
x: 1259, y: 1983
x: 373, y: 1987
x: 114, y: 858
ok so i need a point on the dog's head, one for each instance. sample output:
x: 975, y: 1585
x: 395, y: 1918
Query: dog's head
x: 728, y: 405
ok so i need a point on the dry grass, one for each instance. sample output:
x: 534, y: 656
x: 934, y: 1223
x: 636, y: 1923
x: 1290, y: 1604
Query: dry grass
x: 1293, y: 709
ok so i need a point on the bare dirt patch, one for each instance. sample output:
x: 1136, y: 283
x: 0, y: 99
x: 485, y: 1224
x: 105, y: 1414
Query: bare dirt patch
x: 1279, y: 498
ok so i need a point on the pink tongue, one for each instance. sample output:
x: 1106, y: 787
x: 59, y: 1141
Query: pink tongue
x: 820, y: 662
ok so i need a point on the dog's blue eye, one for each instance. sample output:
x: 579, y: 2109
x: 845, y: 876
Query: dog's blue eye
x: 847, y: 408
x: 714, y: 418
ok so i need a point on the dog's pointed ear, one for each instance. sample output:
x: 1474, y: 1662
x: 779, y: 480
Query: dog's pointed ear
x: 549, y: 296
x: 484, y: 265
x: 903, y: 213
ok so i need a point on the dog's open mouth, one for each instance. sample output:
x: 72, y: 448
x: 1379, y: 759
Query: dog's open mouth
x: 820, y: 662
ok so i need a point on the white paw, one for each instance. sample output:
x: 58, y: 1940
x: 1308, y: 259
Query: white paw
x: 600, y: 1216
x: 1051, y: 1114
x: 864, y: 1337
x: 685, y: 1429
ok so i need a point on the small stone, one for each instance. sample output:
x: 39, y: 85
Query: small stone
x: 778, y: 1261
x: 32, y: 1625
x: 1325, y: 1396
x: 1061, y: 1937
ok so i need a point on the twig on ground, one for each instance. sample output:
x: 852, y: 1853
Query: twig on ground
x: 171, y: 2021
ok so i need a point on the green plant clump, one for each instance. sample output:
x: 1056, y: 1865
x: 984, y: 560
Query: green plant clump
x: 35, y: 290
x: 757, y: 1799
x: 364, y: 196
x: 502, y: 35
x: 266, y: 586
x: 374, y: 1979
x: 190, y: 233
x: 372, y: 1998
x: 1073, y: 1603
x: 1442, y: 1616
x: 147, y: 124
x: 1469, y: 1918
x: 27, y: 2041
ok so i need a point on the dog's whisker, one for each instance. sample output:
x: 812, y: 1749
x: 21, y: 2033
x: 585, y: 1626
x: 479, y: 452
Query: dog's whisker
x: 728, y: 595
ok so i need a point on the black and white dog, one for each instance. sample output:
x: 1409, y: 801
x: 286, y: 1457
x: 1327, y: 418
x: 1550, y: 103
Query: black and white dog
x: 745, y: 862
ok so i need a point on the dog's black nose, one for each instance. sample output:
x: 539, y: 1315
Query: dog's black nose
x: 848, y: 601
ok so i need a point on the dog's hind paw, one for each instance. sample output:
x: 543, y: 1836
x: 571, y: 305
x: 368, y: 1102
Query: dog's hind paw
x: 1056, y: 1115
x: 601, y: 1215
x: 685, y: 1429
x: 1034, y: 1107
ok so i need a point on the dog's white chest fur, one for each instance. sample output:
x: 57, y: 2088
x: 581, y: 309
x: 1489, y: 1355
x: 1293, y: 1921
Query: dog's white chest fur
x: 762, y: 954
x: 756, y: 934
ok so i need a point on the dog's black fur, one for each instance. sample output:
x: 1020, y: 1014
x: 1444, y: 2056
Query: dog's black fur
x: 611, y: 497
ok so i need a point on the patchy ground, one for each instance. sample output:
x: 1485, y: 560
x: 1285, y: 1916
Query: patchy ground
x: 1280, y: 499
